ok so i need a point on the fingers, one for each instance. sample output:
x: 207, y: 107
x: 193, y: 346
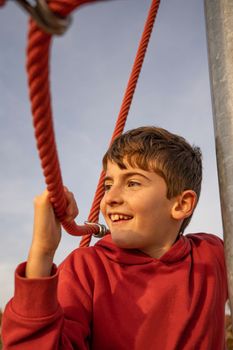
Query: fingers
x: 42, y: 199
x: 72, y: 211
x: 72, y: 208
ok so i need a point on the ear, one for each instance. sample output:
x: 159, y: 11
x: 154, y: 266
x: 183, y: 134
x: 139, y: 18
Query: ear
x: 184, y: 205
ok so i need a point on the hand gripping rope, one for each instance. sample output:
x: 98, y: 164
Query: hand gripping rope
x: 38, y: 78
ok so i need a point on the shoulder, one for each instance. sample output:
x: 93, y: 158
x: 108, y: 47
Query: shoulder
x: 78, y: 268
x: 85, y: 260
x: 208, y: 246
x: 199, y: 239
x: 208, y: 252
x: 79, y: 258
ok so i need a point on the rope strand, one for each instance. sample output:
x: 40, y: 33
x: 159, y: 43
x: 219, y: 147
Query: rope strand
x: 125, y: 107
x: 38, y: 54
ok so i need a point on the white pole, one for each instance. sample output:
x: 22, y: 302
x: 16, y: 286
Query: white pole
x: 219, y: 24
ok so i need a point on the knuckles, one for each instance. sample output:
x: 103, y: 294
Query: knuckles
x: 43, y: 200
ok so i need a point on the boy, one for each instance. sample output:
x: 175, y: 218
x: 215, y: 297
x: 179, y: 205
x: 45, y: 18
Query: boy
x: 145, y: 286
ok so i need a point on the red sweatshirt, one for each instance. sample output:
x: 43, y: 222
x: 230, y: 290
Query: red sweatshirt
x: 107, y: 298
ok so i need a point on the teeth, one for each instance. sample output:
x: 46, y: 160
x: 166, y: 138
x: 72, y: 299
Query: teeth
x: 116, y: 217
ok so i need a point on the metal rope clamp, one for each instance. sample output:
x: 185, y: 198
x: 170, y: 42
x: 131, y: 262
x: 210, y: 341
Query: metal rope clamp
x: 102, y: 229
x: 46, y: 19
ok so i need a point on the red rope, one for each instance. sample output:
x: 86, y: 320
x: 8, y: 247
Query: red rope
x: 38, y: 77
x: 125, y: 107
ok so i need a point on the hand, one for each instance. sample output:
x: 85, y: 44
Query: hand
x: 47, y: 233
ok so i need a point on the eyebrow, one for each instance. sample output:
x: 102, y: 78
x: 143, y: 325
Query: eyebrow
x: 129, y: 174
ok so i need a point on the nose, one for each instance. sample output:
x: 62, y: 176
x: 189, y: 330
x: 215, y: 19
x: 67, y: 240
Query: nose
x: 114, y: 196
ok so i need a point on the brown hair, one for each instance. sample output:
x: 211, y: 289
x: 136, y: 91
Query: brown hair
x: 169, y: 155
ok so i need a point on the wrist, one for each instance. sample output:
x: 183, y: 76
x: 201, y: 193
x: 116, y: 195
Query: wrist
x: 41, y: 250
x: 39, y: 264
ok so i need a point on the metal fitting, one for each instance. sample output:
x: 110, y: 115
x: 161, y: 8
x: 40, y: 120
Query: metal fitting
x: 102, y: 229
x: 50, y: 22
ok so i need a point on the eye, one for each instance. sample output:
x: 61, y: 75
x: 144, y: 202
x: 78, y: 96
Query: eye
x: 133, y: 183
x: 107, y: 187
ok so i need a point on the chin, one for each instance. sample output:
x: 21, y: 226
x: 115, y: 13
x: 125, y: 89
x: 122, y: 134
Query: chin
x: 122, y: 240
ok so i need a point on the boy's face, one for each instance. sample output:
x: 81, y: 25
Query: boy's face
x: 137, y: 210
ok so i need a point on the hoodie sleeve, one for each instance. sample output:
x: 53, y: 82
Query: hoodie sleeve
x: 35, y: 319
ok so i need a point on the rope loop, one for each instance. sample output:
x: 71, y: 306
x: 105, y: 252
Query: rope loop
x: 38, y: 79
x: 46, y: 19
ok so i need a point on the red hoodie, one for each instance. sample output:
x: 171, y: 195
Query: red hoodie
x: 107, y: 298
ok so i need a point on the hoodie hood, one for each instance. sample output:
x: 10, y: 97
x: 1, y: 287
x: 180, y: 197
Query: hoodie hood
x: 177, y: 252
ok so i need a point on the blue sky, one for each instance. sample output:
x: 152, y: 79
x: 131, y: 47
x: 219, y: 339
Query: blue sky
x: 90, y: 66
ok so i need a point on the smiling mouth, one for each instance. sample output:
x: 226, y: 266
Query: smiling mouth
x: 119, y: 217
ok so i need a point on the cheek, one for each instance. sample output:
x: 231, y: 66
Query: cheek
x: 151, y: 208
x: 145, y: 204
x: 103, y: 208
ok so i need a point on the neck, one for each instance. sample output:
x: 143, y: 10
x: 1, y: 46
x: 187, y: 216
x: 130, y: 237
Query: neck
x: 158, y: 252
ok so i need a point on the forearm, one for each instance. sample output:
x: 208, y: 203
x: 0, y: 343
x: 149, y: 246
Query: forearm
x: 39, y: 264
